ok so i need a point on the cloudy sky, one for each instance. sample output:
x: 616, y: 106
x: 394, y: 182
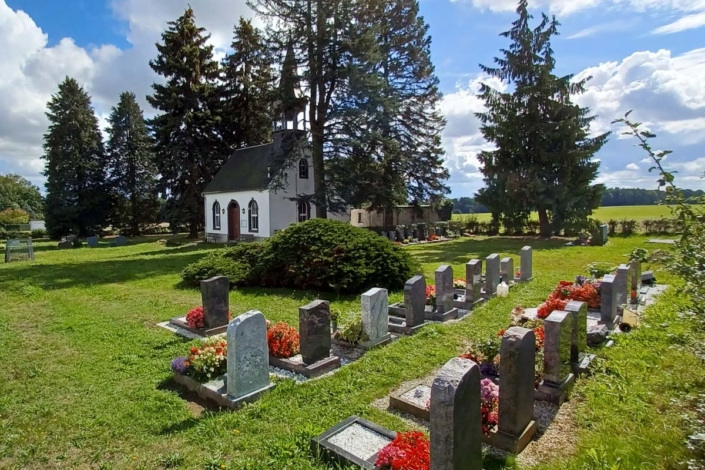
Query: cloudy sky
x: 645, y: 55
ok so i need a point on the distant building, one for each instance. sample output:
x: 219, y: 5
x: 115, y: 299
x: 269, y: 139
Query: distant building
x: 37, y: 225
x: 402, y: 215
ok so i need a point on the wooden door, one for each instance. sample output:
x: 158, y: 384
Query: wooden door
x: 234, y: 221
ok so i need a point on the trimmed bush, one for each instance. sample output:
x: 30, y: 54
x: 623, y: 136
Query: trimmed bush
x: 332, y: 255
x: 39, y: 233
x: 242, y: 264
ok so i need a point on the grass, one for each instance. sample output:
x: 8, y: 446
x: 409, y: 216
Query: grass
x: 603, y: 214
x: 85, y: 381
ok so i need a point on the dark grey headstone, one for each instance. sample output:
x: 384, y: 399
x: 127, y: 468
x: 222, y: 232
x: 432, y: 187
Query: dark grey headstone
x: 248, y: 354
x: 444, y: 289
x: 314, y: 331
x: 216, y: 303
x: 647, y: 277
x: 557, y: 347
x: 516, y: 369
x: 456, y: 422
x: 604, y: 233
x: 620, y: 285
x: 415, y: 301
x: 527, y: 264
x: 473, y: 280
x: 65, y: 245
x: 507, y: 269
x: 608, y: 300
x: 578, y: 313
x: 597, y: 334
x: 92, y: 242
x: 375, y: 313
x: 120, y: 241
x: 491, y: 274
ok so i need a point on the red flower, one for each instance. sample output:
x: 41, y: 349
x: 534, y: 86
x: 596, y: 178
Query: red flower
x: 501, y: 332
x: 283, y: 340
x: 194, y: 318
x: 409, y: 451
x: 540, y: 337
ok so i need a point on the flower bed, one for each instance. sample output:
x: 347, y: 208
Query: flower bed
x: 489, y: 405
x: 582, y: 290
x: 409, y: 451
x: 430, y: 295
x: 195, y: 320
x: 282, y: 340
x: 205, y: 362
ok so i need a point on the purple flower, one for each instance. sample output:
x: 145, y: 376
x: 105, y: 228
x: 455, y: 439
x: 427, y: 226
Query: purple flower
x: 580, y: 280
x: 179, y: 364
x: 489, y: 369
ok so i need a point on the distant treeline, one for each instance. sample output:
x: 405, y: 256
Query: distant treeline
x: 610, y: 197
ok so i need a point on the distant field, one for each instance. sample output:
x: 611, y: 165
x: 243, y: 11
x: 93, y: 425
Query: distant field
x: 603, y: 213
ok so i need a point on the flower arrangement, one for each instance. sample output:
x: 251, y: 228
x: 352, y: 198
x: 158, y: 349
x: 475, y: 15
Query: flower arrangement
x: 459, y: 284
x: 430, y: 295
x: 408, y: 451
x: 539, y: 333
x: 432, y: 238
x: 204, y: 362
x: 486, y: 355
x: 352, y: 332
x: 283, y: 340
x: 194, y: 318
x: 489, y: 405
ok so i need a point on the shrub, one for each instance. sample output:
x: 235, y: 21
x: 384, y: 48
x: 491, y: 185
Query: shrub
x: 331, y: 255
x: 283, y: 340
x: 14, y: 217
x: 39, y: 233
x: 242, y: 264
x: 627, y: 227
x: 352, y: 332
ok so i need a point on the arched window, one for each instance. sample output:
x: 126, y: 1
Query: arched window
x: 304, y: 210
x: 216, y: 215
x: 253, y: 216
x: 303, y: 169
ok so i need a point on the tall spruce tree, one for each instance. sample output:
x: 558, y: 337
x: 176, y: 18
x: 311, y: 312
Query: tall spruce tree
x: 248, y: 90
x: 76, y: 199
x: 544, y: 155
x: 189, y: 148
x: 132, y: 173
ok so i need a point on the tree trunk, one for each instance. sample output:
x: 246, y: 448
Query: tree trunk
x: 389, y: 217
x: 545, y: 225
x: 193, y: 229
x: 319, y: 185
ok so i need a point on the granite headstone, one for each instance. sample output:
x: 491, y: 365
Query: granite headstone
x: 444, y: 288
x: 216, y: 302
x: 92, y: 242
x: 608, y: 300
x: 248, y: 354
x: 415, y: 301
x: 516, y: 369
x: 558, y: 333
x: 491, y: 274
x: 473, y: 281
x: 620, y: 285
x: 527, y: 264
x: 578, y: 313
x: 375, y: 315
x: 507, y: 269
x: 314, y: 331
x: 120, y: 241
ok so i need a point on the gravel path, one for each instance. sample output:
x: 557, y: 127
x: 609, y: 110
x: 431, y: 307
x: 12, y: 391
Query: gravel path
x: 359, y: 441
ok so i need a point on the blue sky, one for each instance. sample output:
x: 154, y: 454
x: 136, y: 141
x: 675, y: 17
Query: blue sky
x: 646, y: 55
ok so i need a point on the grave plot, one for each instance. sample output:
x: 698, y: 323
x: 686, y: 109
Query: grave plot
x: 209, y: 320
x: 231, y: 371
x: 455, y: 441
x: 307, y: 352
x: 371, y: 329
x: 19, y: 250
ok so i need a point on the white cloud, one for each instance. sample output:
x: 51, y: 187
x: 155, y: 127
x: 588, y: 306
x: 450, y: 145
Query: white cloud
x: 613, y: 26
x: 682, y: 24
x: 632, y: 166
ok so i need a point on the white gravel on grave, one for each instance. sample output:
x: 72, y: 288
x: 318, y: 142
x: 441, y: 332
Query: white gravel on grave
x: 359, y: 441
x: 418, y: 395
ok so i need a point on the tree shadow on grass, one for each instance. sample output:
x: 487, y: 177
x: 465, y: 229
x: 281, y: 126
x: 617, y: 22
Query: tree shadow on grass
x: 93, y: 273
x: 464, y: 250
x: 197, y: 406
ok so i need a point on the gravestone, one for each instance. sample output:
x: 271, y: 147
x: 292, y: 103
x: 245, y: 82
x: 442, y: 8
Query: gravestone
x: 604, y: 233
x: 92, y: 242
x: 456, y: 421
x: 491, y: 274
x: 216, y: 303
x: 578, y: 312
x: 620, y: 285
x: 415, y: 301
x: 473, y: 282
x: 558, y: 378
x: 375, y: 316
x: 526, y: 264
x: 248, y: 356
x: 444, y: 289
x: 120, y: 241
x: 314, y: 331
x: 65, y: 245
x: 516, y: 391
x: 392, y: 235
x: 635, y: 275
x: 608, y: 301
x: 70, y: 238
x: 647, y: 278
x: 507, y: 269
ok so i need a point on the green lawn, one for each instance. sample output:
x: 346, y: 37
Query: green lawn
x: 603, y: 214
x: 85, y: 381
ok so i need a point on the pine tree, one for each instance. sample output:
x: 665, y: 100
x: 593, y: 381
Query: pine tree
x: 544, y: 156
x: 76, y: 199
x: 188, y: 146
x: 248, y: 91
x: 132, y: 174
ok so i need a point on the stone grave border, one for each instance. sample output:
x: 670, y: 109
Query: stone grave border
x: 180, y: 322
x: 216, y: 391
x: 397, y: 402
x: 367, y: 345
x: 331, y: 453
x: 309, y: 371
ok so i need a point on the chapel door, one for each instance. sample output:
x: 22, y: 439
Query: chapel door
x: 234, y: 221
